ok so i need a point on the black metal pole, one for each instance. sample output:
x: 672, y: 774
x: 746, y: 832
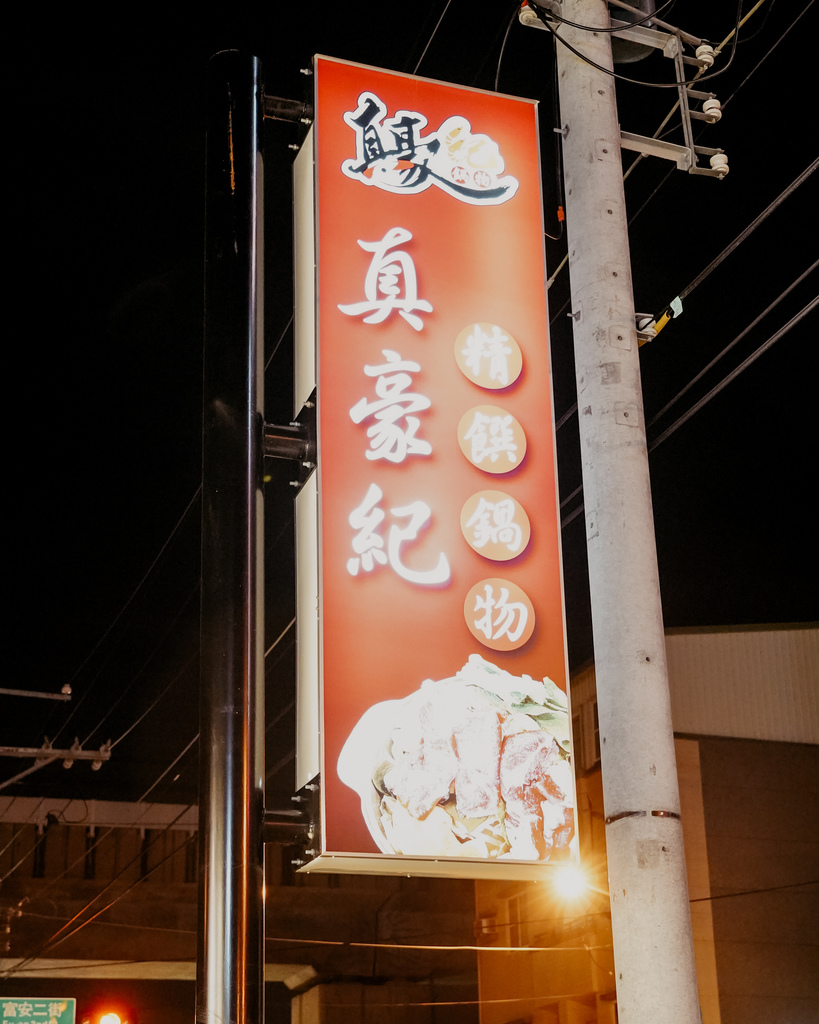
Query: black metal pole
x: 230, y: 964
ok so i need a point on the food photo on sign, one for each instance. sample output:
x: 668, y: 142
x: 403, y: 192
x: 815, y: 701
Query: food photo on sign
x: 477, y: 765
x: 444, y: 718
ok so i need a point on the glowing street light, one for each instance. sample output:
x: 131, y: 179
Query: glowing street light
x: 570, y: 881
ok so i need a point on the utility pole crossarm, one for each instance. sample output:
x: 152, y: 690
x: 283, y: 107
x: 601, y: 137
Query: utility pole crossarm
x: 670, y: 44
x: 64, y: 695
x: 47, y: 752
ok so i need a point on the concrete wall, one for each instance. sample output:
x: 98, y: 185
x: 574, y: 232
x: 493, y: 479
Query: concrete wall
x: 576, y: 983
x: 389, y: 1003
x: 761, y: 806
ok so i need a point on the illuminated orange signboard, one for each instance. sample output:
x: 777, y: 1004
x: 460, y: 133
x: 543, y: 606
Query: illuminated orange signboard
x: 443, y: 716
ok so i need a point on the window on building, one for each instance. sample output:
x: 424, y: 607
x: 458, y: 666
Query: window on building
x: 144, y: 851
x: 90, y: 863
x: 191, y: 858
x: 39, y: 862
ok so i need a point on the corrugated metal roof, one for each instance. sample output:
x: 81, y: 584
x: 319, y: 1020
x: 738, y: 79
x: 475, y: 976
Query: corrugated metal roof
x: 746, y: 682
x: 754, y: 683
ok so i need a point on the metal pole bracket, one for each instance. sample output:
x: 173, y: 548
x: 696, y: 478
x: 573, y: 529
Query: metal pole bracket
x: 295, y: 442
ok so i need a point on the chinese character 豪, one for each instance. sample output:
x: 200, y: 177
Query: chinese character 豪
x: 491, y: 436
x: 506, y: 613
x: 495, y: 521
x: 494, y: 348
x: 388, y: 439
x: 383, y: 287
x: 368, y: 544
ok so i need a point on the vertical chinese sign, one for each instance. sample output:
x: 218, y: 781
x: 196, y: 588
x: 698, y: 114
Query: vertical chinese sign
x: 443, y: 715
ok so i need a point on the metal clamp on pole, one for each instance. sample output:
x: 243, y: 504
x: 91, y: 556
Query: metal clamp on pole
x: 285, y: 828
x: 289, y: 442
x: 295, y: 442
x: 276, y: 108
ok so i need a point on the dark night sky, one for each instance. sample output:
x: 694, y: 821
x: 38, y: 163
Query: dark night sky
x: 105, y: 452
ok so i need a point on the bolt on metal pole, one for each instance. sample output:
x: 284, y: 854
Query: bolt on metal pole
x: 653, y: 948
x: 230, y: 963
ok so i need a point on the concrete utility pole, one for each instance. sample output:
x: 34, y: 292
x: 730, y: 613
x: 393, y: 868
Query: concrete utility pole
x: 653, y: 949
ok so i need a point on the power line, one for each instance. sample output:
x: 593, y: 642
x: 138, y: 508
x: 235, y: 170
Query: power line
x: 759, y: 63
x: 572, y: 515
x: 711, y: 394
x: 123, y: 692
x: 574, y: 493
x: 159, y: 555
x: 754, y: 892
x: 28, y: 771
x: 698, y: 280
x: 529, y: 923
x: 668, y: 116
x: 179, y: 674
x: 281, y: 636
x: 277, y: 718
x: 623, y: 78
x: 121, y: 924
x: 794, y: 185
x: 25, y: 856
x: 13, y: 839
x: 283, y: 333
x: 50, y: 760
x: 670, y: 172
x: 108, y: 832
x: 734, y: 374
x: 429, y: 41
x: 697, y: 77
x: 728, y: 347
x: 76, y: 969
x: 512, y: 21
x: 170, y: 767
x: 127, y: 604
x: 280, y: 340
x: 281, y: 763
x: 55, y: 940
x: 611, y: 29
x: 674, y: 308
x: 126, y: 689
x: 753, y: 35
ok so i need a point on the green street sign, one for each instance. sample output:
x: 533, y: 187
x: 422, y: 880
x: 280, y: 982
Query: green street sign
x: 27, y: 1010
